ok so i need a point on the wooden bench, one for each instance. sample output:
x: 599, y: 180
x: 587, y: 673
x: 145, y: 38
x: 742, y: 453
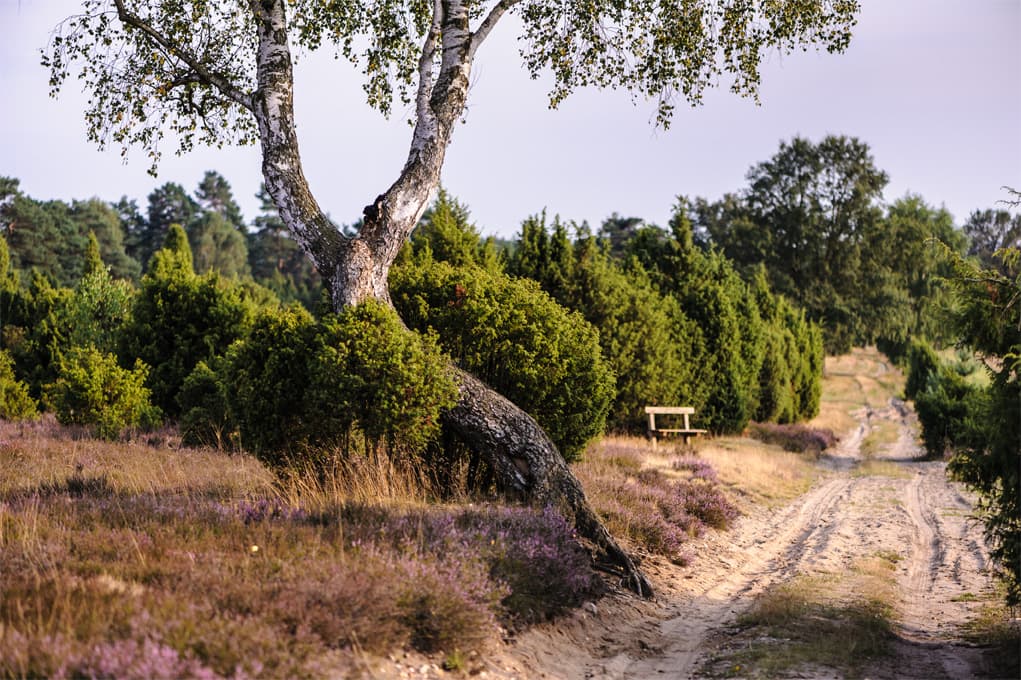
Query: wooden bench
x: 654, y: 433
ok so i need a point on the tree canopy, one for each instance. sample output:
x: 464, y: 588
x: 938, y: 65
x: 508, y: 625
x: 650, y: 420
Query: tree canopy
x: 191, y: 67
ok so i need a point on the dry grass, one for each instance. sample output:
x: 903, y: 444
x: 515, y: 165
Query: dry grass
x: 864, y: 377
x: 881, y: 437
x: 837, y: 622
x: 997, y: 627
x: 366, y: 479
x: 43, y: 452
x: 880, y: 468
x: 759, y: 473
x: 752, y: 472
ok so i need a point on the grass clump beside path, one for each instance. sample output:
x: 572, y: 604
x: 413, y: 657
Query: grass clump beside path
x: 756, y: 473
x: 836, y: 622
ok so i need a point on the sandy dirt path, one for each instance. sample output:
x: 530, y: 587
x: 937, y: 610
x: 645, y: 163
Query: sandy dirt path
x: 901, y: 507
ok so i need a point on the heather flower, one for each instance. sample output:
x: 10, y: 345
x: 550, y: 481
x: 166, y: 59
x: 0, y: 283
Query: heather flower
x: 793, y: 437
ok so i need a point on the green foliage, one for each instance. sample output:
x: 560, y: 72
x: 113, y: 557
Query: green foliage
x: 215, y: 196
x: 518, y: 340
x: 979, y: 425
x: 445, y: 234
x: 277, y: 261
x: 299, y: 388
x: 906, y: 276
x: 35, y: 331
x: 678, y: 325
x: 806, y: 215
x: 217, y: 245
x: 93, y: 390
x: 989, y: 231
x: 52, y: 236
x: 269, y: 372
x: 97, y: 310
x: 180, y: 319
x: 43, y: 323
x: 923, y: 367
x: 545, y: 254
x: 988, y: 456
x: 776, y: 398
x: 649, y: 343
x: 657, y: 51
x: 811, y: 216
x: 713, y: 296
x: 395, y: 381
x: 15, y: 401
x: 666, y: 50
x: 654, y: 349
x: 97, y: 218
x: 806, y: 362
x: 948, y: 408
x: 205, y: 418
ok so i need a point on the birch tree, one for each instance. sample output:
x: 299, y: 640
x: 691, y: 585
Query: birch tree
x: 220, y: 71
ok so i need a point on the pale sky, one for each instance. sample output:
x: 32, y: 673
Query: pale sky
x: 933, y: 86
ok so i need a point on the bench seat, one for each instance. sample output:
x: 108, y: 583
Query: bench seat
x: 686, y: 432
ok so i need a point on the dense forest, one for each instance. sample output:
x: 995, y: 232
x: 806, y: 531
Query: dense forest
x: 115, y: 316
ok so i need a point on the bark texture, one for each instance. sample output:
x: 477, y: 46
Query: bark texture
x: 527, y: 463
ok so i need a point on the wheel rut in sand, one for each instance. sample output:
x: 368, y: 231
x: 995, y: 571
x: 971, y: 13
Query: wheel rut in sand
x: 762, y: 553
x: 925, y: 559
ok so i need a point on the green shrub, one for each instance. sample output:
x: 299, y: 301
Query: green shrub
x: 922, y: 364
x: 807, y: 359
x: 518, y: 340
x: 776, y: 390
x: 395, y: 381
x: 35, y: 331
x: 205, y: 419
x: 15, y: 401
x: 653, y: 348
x: 949, y: 408
x: 93, y: 390
x: 268, y: 373
x: 99, y: 306
x: 180, y: 319
x: 298, y: 387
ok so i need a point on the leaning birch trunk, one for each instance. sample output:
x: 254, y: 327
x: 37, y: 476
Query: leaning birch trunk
x: 527, y: 462
x: 524, y: 459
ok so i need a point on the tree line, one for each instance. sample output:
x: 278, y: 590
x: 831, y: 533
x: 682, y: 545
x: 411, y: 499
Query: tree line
x: 51, y: 236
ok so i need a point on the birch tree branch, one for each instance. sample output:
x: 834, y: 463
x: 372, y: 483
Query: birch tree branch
x: 482, y: 32
x: 227, y: 88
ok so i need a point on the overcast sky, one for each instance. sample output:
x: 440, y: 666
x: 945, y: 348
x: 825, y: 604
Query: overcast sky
x: 933, y: 86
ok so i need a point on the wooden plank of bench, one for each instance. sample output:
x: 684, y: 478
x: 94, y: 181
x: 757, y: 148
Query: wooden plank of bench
x: 670, y: 410
x: 690, y: 431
